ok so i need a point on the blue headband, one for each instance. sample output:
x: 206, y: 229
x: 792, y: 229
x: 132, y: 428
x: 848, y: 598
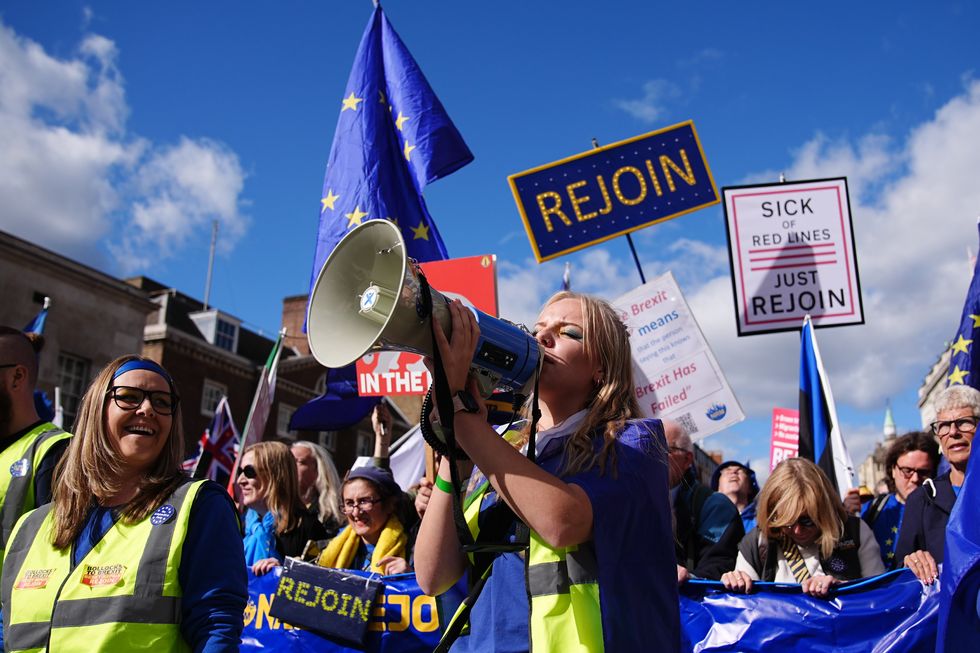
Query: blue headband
x: 138, y: 364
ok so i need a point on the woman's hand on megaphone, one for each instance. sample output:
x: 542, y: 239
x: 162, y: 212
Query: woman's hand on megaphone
x: 458, y: 350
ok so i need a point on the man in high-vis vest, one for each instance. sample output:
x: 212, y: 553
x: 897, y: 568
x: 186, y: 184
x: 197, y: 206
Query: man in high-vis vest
x: 29, y: 447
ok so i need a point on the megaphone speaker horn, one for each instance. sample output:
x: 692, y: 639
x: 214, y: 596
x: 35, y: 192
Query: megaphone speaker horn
x: 367, y: 298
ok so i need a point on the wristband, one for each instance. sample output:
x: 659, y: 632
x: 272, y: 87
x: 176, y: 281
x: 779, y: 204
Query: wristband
x: 445, y: 485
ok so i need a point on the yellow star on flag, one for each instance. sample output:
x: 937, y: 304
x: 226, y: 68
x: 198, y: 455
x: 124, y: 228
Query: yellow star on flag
x: 408, y: 150
x: 350, y: 102
x: 976, y: 321
x: 888, y: 542
x: 894, y: 529
x: 381, y: 97
x: 961, y: 345
x: 891, y: 554
x: 328, y: 201
x: 355, y: 217
x: 957, y: 375
x: 420, y: 232
x: 400, y: 121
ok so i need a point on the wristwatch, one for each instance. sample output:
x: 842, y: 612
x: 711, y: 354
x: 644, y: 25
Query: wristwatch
x: 464, y: 401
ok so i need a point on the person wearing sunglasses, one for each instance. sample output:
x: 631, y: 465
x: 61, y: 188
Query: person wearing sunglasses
x: 277, y: 524
x: 803, y: 536
x: 911, y: 461
x: 922, y: 536
x: 375, y: 538
x: 123, y: 558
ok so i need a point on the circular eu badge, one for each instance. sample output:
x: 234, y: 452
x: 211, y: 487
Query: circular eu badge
x: 836, y: 565
x: 20, y: 468
x: 163, y: 514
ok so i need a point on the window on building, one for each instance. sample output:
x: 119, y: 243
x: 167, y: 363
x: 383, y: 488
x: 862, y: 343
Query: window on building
x: 73, y: 376
x: 226, y: 335
x: 210, y: 396
x: 365, y: 443
x: 282, y: 421
x: 328, y: 440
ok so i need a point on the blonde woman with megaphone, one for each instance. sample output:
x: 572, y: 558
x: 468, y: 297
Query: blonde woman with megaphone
x: 586, y: 559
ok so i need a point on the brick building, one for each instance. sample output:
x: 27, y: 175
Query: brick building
x: 94, y: 318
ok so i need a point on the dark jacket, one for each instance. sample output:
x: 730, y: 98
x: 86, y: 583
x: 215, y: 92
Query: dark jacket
x: 292, y: 542
x: 708, y: 531
x: 924, y: 523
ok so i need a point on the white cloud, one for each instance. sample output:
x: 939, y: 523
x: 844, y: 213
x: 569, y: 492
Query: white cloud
x: 657, y: 94
x: 72, y: 178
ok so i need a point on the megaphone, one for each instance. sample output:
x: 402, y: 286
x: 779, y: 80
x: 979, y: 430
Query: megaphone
x: 368, y: 298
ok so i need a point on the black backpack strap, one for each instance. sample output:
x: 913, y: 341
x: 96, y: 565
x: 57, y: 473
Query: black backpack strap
x: 871, y: 516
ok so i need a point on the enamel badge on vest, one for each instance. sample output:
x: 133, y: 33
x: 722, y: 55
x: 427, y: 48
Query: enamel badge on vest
x: 163, y: 514
x: 20, y: 468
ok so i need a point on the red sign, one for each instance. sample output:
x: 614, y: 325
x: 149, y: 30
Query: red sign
x: 473, y: 280
x: 785, y: 441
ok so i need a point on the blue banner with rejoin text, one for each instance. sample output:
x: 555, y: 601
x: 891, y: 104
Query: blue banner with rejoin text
x: 597, y: 195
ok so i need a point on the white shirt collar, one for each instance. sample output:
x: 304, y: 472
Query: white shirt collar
x: 566, y: 427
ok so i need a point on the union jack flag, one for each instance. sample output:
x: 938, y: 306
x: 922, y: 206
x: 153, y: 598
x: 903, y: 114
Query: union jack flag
x: 217, y: 448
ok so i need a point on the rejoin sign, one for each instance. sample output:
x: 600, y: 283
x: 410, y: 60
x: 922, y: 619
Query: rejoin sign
x: 785, y: 442
x: 597, y: 195
x: 791, y: 248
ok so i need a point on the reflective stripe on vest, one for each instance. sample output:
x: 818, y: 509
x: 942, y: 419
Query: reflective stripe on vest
x: 125, y: 592
x: 564, y: 588
x: 17, y: 492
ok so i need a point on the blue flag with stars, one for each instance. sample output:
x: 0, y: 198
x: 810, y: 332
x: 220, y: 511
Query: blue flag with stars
x: 393, y: 138
x: 964, y: 367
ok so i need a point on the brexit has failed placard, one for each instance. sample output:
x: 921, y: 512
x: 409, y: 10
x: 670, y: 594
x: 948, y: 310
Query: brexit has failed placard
x: 676, y: 374
x: 612, y: 190
x: 791, y: 247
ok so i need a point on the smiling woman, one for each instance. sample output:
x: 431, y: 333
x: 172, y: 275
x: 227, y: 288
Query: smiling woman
x: 126, y: 522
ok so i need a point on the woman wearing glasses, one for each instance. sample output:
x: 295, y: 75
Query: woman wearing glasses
x: 804, y: 536
x: 596, y: 570
x: 123, y: 558
x: 374, y: 539
x: 277, y: 524
x: 922, y: 536
x: 911, y: 461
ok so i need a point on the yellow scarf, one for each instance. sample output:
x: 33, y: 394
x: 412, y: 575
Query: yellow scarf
x: 341, y: 550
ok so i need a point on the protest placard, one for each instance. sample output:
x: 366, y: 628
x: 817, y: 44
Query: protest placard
x: 612, y: 190
x: 791, y: 248
x: 675, y: 371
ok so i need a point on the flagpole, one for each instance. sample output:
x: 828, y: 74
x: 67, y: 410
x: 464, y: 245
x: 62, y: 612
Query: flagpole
x: 629, y: 238
x: 263, y: 379
x: 207, y: 283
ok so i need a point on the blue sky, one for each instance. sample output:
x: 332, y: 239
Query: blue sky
x: 128, y: 127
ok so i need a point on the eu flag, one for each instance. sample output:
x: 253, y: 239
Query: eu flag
x: 964, y: 368
x: 820, y: 435
x: 959, y: 597
x: 393, y: 138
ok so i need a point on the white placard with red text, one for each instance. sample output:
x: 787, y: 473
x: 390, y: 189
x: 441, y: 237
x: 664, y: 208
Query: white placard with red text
x: 675, y: 371
x: 792, y: 253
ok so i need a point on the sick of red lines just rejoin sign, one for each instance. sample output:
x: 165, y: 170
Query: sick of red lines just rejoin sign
x: 791, y: 247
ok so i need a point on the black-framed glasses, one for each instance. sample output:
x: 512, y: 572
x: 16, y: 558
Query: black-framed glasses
x: 363, y: 505
x: 249, y: 472
x: 128, y: 398
x: 908, y: 471
x: 9, y: 365
x: 677, y: 450
x: 963, y: 425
